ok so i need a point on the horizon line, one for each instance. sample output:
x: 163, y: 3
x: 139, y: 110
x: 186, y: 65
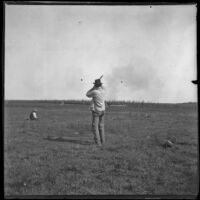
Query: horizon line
x: 127, y: 101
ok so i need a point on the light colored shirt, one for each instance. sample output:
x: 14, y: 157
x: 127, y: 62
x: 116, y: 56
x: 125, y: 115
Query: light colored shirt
x: 91, y: 106
x: 34, y: 115
x: 98, y: 98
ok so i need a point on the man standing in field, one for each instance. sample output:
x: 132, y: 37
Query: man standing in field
x: 97, y: 93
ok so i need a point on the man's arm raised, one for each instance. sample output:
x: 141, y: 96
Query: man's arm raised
x: 90, y: 92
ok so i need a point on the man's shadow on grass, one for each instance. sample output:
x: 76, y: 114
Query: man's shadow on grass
x: 64, y: 139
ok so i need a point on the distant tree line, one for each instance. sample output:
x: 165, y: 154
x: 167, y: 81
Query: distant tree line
x: 108, y: 103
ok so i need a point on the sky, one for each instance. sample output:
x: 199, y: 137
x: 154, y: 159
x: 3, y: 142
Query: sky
x: 144, y: 53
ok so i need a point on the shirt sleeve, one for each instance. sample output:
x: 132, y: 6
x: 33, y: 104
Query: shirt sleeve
x: 90, y: 93
x: 103, y: 87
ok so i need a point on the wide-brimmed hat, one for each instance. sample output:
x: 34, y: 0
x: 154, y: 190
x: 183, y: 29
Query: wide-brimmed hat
x: 97, y: 82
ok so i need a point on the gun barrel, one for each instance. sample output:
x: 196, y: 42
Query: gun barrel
x: 101, y: 76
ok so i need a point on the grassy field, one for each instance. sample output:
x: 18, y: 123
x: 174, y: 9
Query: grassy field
x: 56, y: 155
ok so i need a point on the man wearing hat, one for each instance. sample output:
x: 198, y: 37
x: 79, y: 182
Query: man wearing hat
x: 97, y: 93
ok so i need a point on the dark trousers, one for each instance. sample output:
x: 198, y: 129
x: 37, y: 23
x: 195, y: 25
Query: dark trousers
x: 98, y: 127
